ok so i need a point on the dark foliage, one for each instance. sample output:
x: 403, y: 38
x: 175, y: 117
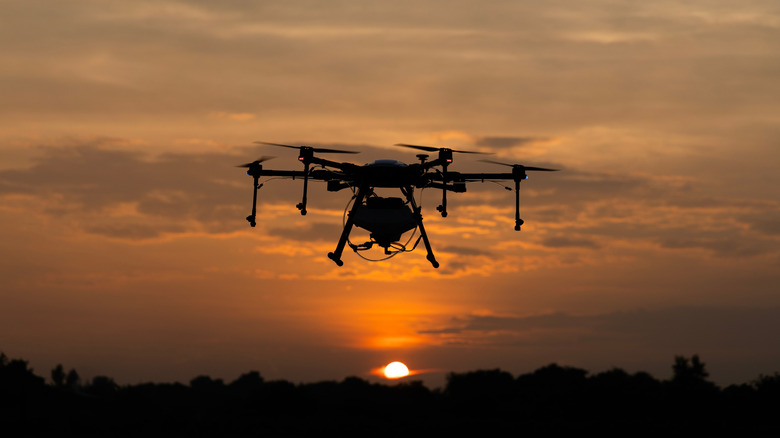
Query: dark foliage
x: 552, y: 400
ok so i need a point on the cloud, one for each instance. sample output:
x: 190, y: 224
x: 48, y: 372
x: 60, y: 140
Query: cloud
x: 129, y: 231
x: 569, y: 242
x: 765, y: 222
x: 727, y: 246
x: 709, y: 328
x: 128, y: 189
x: 316, y: 231
x: 239, y: 117
x: 508, y: 142
x: 517, y: 63
x: 104, y: 187
x: 465, y: 250
x: 494, y: 323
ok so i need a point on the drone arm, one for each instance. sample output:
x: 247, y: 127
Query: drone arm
x: 433, y: 163
x: 458, y: 176
x: 455, y: 188
x: 516, y: 176
x: 283, y: 173
x: 346, y: 167
x: 328, y: 175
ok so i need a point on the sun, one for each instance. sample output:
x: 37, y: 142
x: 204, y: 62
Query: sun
x: 396, y: 370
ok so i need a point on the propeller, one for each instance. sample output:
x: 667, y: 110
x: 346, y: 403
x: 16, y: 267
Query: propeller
x: 435, y: 149
x: 306, y: 157
x: 518, y: 172
x: 444, y: 160
x: 520, y: 166
x: 255, y: 169
x: 262, y: 159
x: 320, y: 150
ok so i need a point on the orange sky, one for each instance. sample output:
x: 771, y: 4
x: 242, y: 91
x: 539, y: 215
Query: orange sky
x: 125, y: 250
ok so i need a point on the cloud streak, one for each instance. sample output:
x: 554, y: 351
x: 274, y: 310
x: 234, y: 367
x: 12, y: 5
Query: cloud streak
x: 115, y: 192
x: 680, y: 328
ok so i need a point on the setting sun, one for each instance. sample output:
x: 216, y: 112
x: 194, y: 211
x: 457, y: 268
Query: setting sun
x: 396, y: 370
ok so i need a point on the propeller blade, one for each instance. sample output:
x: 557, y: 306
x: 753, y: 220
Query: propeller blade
x: 257, y: 161
x: 520, y: 165
x: 498, y: 162
x: 544, y: 169
x: 335, y: 151
x: 320, y: 150
x: 435, y: 149
x: 277, y: 144
x: 422, y: 148
x: 474, y: 152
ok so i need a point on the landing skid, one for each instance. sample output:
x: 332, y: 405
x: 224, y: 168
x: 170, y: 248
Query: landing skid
x: 408, y: 191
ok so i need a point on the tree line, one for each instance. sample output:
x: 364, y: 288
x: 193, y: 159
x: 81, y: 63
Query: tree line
x: 553, y: 399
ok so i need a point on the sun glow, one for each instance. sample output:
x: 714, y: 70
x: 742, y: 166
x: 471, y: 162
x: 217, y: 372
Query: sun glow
x: 396, y: 370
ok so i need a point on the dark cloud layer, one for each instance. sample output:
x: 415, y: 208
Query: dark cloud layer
x: 92, y: 178
x: 316, y: 231
x: 507, y: 142
x: 707, y: 328
x: 465, y: 250
x: 542, y: 65
x: 172, y: 193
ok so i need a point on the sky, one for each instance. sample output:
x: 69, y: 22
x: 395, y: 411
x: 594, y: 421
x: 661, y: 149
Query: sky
x: 125, y: 251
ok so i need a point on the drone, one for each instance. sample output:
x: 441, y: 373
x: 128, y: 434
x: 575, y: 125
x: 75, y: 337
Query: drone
x: 385, y: 218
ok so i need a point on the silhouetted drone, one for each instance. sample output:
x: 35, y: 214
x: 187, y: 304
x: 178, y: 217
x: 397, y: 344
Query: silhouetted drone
x: 385, y: 218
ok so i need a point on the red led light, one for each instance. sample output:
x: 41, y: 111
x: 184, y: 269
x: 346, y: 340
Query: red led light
x: 300, y: 158
x: 449, y: 160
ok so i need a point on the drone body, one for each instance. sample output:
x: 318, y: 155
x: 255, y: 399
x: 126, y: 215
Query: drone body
x: 385, y: 218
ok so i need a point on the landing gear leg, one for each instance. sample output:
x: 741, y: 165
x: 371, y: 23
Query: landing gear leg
x: 251, y: 217
x: 336, y: 255
x: 443, y: 207
x: 302, y: 205
x: 407, y: 191
x: 518, y: 221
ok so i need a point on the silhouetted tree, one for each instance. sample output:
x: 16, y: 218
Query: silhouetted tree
x: 479, y: 384
x: 554, y: 397
x: 251, y: 380
x: 19, y: 389
x: 73, y: 380
x: 279, y: 396
x: 740, y: 401
x: 552, y: 400
x: 14, y: 373
x: 621, y: 402
x: 206, y: 384
x: 688, y: 370
x: 768, y: 394
x: 481, y: 393
x: 102, y: 386
x: 692, y: 401
x: 58, y: 376
x: 768, y: 384
x: 553, y: 380
x: 414, y: 389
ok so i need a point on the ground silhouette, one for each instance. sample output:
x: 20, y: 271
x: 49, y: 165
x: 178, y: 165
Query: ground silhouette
x: 551, y: 400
